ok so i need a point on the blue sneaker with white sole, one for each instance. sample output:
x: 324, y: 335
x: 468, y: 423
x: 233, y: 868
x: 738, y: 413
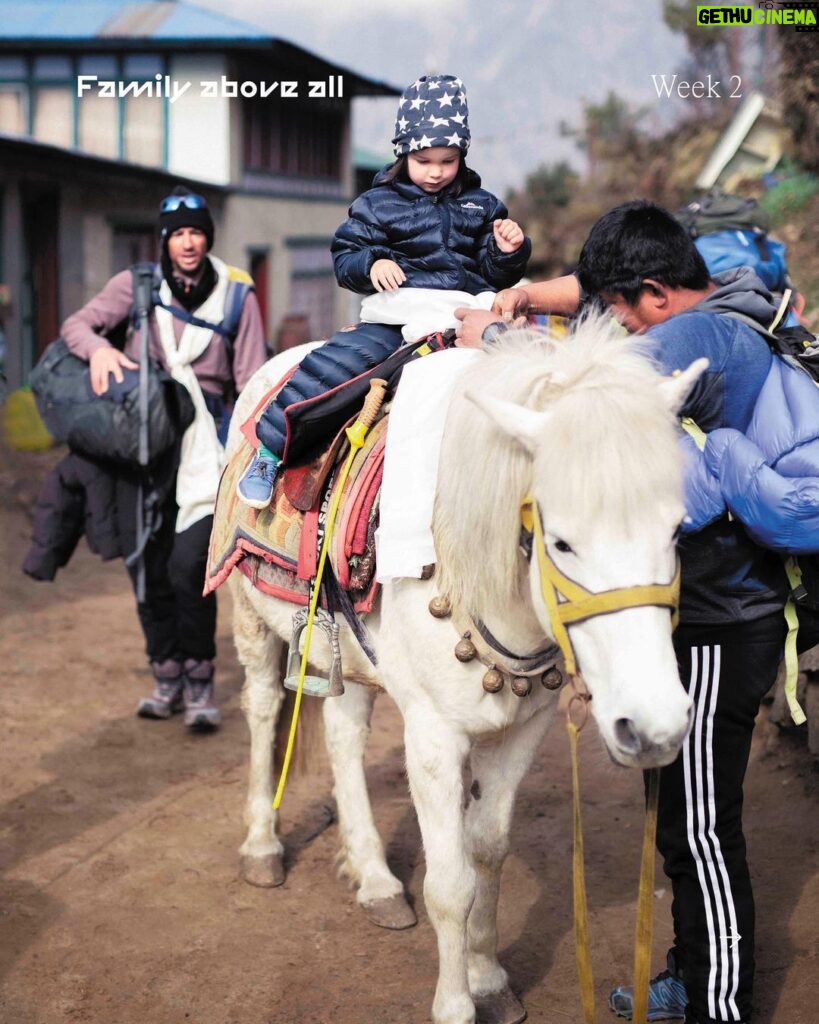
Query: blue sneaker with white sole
x: 667, y: 998
x: 255, y: 486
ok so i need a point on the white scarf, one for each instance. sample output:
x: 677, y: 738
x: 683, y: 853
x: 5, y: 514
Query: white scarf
x: 201, y: 458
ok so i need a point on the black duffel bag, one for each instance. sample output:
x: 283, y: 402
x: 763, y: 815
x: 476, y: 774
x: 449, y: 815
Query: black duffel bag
x: 107, y: 426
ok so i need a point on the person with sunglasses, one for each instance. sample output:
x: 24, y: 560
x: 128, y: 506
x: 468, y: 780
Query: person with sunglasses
x: 194, y: 296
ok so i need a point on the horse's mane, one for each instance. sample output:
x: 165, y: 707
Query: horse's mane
x: 610, y: 450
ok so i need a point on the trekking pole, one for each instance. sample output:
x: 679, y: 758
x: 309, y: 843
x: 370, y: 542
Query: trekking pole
x: 142, y: 304
x: 355, y: 435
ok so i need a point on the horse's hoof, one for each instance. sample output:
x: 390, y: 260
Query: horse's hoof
x: 502, y: 1007
x: 393, y: 912
x: 266, y: 872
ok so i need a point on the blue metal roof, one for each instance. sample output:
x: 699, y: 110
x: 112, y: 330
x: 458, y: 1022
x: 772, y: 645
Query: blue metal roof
x: 120, y: 19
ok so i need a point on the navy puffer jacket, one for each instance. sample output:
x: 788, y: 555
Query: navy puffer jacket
x: 441, y: 241
x: 78, y: 497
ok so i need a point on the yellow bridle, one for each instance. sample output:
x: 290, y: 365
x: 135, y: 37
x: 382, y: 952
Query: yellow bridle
x: 578, y: 603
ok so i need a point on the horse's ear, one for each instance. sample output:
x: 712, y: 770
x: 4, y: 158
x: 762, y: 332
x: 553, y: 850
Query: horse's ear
x: 675, y: 389
x: 524, y: 425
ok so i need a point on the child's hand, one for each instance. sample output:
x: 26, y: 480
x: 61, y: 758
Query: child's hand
x: 387, y: 276
x: 508, y: 235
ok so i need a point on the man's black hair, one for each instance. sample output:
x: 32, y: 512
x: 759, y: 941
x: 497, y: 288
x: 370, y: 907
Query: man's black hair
x: 635, y: 241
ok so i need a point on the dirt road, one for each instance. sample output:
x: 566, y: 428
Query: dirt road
x: 120, y: 901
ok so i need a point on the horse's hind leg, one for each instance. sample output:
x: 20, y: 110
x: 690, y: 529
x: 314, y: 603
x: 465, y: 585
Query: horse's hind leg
x: 497, y: 771
x: 346, y: 728
x: 259, y: 650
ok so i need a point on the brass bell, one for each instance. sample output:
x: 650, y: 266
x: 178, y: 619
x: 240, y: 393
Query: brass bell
x: 521, y: 686
x: 552, y: 679
x: 465, y: 650
x: 492, y: 680
x: 440, y: 607
x: 428, y: 572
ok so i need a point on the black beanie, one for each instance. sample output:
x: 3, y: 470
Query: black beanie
x: 195, y: 216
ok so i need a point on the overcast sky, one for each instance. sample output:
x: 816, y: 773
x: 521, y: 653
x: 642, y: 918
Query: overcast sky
x: 527, y: 64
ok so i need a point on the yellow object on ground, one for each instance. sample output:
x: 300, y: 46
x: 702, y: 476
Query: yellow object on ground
x: 23, y: 429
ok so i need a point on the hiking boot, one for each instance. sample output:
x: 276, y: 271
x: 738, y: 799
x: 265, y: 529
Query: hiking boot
x: 201, y: 714
x: 166, y: 700
x: 255, y: 486
x: 667, y: 998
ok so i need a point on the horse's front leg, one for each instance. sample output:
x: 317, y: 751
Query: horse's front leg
x: 497, y: 770
x: 347, y: 728
x: 435, y: 758
x: 259, y: 651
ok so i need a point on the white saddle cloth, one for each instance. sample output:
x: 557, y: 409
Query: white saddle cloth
x: 404, y: 543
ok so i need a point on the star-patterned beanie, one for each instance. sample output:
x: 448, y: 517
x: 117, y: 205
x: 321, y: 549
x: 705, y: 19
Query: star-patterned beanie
x: 432, y: 112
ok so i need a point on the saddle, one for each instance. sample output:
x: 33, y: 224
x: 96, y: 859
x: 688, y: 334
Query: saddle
x: 277, y: 548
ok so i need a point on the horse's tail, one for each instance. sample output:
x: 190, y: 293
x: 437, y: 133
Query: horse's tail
x: 309, y: 743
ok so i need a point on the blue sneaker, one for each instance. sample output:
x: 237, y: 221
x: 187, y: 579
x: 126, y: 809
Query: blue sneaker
x: 667, y: 998
x: 255, y: 486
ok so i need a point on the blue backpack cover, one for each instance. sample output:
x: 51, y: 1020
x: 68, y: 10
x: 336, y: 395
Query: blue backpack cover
x: 725, y: 250
x: 730, y: 231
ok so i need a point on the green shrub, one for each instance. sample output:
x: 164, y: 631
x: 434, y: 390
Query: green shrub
x: 784, y: 201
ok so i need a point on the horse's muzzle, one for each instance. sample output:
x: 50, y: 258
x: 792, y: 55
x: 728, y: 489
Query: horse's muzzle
x: 634, y: 750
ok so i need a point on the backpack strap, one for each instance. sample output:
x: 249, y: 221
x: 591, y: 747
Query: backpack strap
x: 189, y: 318
x: 766, y: 332
x: 782, y: 310
x: 239, y: 284
x: 778, y: 345
x: 794, y: 574
x: 696, y: 432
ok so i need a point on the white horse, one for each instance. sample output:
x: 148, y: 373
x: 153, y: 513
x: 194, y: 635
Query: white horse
x: 587, y: 428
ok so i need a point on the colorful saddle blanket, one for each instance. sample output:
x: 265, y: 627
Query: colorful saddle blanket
x: 277, y: 547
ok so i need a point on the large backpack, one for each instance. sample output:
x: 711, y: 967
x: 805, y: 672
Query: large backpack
x: 108, y: 426
x: 730, y: 231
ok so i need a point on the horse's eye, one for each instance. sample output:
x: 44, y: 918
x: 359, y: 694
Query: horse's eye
x: 562, y: 546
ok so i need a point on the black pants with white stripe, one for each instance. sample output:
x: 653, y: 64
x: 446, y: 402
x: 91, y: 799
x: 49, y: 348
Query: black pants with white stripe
x: 727, y: 670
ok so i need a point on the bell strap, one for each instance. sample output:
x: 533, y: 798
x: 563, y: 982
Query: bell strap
x: 518, y: 664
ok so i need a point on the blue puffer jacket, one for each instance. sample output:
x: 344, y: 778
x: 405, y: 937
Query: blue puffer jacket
x: 768, y: 476
x: 727, y: 577
x: 441, y: 241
